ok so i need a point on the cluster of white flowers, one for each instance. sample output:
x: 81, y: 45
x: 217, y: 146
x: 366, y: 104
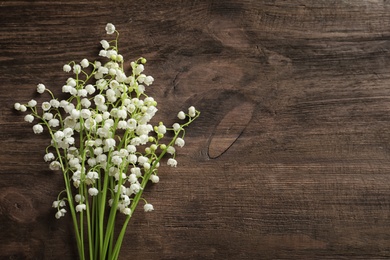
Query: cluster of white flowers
x: 103, y: 130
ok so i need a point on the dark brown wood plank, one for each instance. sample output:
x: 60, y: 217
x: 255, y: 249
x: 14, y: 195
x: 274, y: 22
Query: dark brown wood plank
x: 289, y: 160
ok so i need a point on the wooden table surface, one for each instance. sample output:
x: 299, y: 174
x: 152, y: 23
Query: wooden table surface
x: 290, y: 158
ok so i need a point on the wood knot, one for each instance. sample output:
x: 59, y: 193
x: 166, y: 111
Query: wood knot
x: 17, y: 206
x: 230, y: 128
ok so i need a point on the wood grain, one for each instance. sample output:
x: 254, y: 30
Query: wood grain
x: 289, y: 160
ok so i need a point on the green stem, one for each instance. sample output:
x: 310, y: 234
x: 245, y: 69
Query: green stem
x: 89, y: 225
x: 68, y: 192
x: 95, y: 224
x: 111, y: 219
x: 138, y: 196
x: 82, y: 234
x: 101, y: 214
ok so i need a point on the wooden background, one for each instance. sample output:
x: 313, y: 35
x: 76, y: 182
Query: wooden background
x: 289, y: 160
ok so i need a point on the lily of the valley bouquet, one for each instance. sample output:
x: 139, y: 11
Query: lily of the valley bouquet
x: 105, y: 146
